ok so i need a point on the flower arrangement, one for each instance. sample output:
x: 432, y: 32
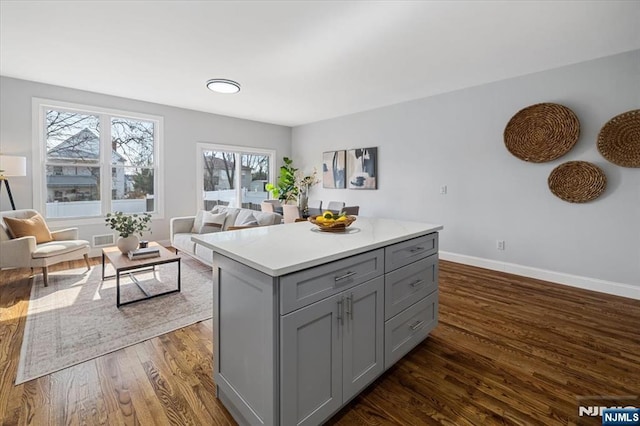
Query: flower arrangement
x: 291, y: 182
x: 304, y: 182
x: 127, y: 225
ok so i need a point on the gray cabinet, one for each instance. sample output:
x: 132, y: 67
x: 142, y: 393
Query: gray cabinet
x: 407, y: 285
x: 310, y: 285
x: 363, y: 337
x: 410, y: 327
x: 311, y: 362
x: 406, y: 252
x: 331, y: 350
x: 293, y: 349
x: 411, y: 295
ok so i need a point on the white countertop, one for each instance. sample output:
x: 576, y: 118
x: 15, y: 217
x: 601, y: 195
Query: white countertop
x: 281, y: 249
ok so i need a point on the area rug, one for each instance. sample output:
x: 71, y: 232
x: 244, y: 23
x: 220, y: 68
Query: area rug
x: 75, y: 318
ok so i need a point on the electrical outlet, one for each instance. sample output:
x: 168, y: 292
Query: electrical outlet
x: 443, y: 190
x: 500, y: 244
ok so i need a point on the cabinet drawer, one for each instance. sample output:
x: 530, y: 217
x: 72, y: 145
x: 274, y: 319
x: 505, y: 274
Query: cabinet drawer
x: 405, y: 286
x: 311, y: 285
x: 406, y: 252
x: 410, y: 327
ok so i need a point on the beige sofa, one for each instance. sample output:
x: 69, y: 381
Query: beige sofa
x: 182, y: 228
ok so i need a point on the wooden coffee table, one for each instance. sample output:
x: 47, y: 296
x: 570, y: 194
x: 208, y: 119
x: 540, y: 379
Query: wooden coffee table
x: 122, y: 264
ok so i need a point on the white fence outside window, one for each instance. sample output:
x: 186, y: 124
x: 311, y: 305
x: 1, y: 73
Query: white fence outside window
x: 92, y: 208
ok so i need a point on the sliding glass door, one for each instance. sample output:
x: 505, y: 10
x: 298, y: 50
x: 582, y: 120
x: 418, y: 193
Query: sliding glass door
x: 233, y: 176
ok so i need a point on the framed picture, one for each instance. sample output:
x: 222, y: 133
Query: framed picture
x: 333, y: 169
x: 362, y: 165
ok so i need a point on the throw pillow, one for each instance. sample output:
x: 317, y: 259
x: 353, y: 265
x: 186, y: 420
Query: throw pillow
x: 203, y: 218
x: 232, y: 214
x: 249, y: 220
x: 212, y: 222
x: 34, y: 226
x: 265, y: 218
x: 197, y: 222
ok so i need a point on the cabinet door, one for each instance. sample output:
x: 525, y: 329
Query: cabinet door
x: 362, y: 344
x: 311, y: 362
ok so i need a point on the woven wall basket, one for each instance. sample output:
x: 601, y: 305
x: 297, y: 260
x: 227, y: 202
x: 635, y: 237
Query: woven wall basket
x: 619, y: 139
x: 577, y: 181
x: 542, y: 132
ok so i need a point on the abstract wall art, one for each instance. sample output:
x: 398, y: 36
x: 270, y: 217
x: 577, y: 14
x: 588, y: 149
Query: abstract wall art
x: 334, y: 169
x: 362, y: 168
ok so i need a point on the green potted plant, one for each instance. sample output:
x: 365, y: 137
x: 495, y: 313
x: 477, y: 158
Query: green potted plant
x: 127, y: 226
x: 285, y: 189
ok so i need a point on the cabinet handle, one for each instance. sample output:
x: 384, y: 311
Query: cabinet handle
x: 350, y: 306
x: 416, y: 283
x: 416, y: 250
x: 340, y: 311
x: 417, y: 325
x: 345, y: 276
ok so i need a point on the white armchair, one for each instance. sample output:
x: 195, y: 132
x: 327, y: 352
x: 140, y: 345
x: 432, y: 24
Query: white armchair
x: 25, y: 253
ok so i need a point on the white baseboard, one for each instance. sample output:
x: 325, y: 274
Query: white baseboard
x: 594, y: 284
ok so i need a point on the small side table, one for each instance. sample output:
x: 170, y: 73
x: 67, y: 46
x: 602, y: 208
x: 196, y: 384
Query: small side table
x: 122, y: 264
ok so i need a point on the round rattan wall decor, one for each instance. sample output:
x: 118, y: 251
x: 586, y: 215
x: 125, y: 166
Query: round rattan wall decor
x: 577, y: 181
x: 542, y: 132
x: 619, y: 139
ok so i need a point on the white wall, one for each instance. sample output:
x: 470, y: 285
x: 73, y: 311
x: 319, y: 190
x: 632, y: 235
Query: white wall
x: 182, y: 130
x: 456, y: 139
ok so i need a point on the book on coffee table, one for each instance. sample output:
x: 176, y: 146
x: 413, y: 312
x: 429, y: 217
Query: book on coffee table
x: 144, y: 253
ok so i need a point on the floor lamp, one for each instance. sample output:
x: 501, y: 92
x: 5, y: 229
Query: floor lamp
x: 11, y: 166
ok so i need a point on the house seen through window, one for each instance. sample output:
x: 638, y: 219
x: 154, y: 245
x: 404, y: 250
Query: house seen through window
x: 233, y: 176
x: 96, y: 163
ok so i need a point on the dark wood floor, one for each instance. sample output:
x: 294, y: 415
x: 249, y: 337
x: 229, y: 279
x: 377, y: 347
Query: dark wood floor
x: 508, y: 350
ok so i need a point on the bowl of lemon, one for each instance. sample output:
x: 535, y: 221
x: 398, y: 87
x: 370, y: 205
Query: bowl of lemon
x: 332, y: 222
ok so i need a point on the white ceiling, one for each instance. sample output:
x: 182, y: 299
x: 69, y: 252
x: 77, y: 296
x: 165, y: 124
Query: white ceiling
x: 303, y: 61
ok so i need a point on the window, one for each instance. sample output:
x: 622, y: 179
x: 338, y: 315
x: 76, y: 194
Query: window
x: 90, y: 161
x: 233, y: 176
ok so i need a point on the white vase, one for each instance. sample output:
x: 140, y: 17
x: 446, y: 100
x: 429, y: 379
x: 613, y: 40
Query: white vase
x: 128, y: 244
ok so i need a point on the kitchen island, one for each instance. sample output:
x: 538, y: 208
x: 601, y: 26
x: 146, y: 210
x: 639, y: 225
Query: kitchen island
x: 304, y: 320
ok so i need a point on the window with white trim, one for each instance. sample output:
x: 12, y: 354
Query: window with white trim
x: 232, y: 175
x: 90, y: 161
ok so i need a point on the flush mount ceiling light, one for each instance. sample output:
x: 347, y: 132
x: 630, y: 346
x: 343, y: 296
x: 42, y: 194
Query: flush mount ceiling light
x: 222, y: 85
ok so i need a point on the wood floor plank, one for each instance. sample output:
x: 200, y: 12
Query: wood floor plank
x: 64, y: 407
x: 200, y: 376
x: 147, y: 405
x: 91, y: 406
x: 184, y: 387
x: 35, y: 402
x: 168, y: 386
x: 524, y: 336
x: 508, y: 351
x: 114, y: 384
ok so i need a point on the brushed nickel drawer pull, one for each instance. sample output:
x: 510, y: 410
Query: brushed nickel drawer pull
x: 340, y: 315
x: 416, y: 283
x: 417, y: 325
x: 345, y: 276
x: 416, y: 250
